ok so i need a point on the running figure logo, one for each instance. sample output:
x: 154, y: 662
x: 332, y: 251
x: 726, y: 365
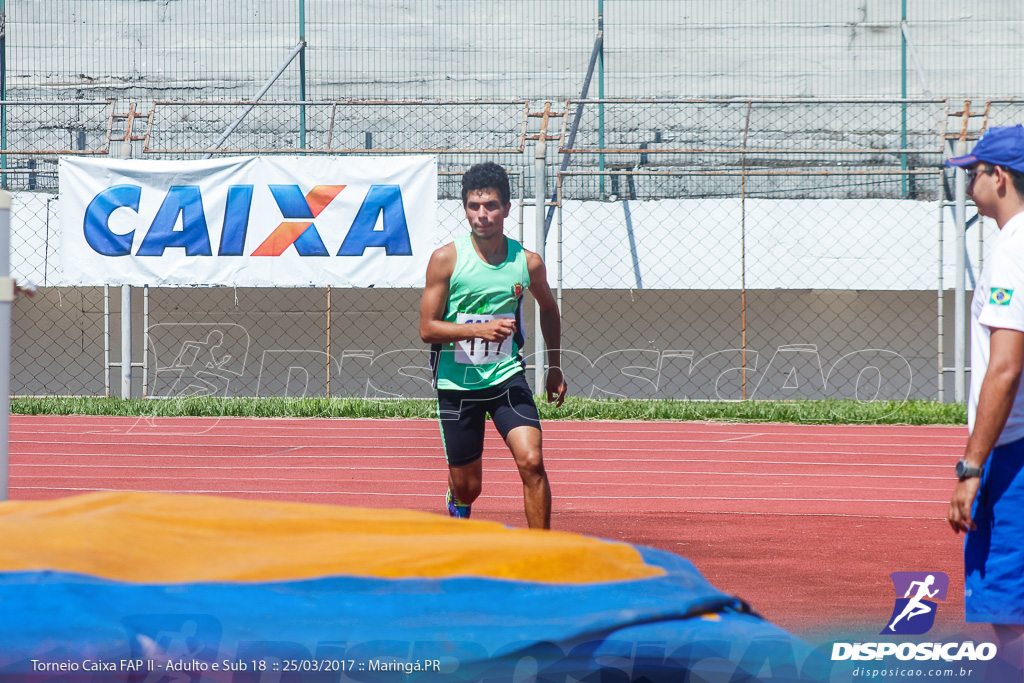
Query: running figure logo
x: 914, y: 613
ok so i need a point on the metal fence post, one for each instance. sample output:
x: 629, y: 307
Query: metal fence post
x: 903, y: 95
x: 940, y: 310
x: 600, y: 92
x: 302, y: 77
x: 3, y: 91
x: 126, y: 316
x: 540, y: 194
x: 960, y: 294
x: 6, y: 298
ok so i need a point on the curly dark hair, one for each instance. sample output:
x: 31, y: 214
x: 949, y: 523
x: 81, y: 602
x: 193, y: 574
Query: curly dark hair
x: 486, y: 176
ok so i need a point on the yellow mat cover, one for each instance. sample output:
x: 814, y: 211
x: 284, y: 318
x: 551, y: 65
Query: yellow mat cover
x: 164, y: 538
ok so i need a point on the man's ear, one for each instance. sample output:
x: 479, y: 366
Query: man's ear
x: 1003, y: 180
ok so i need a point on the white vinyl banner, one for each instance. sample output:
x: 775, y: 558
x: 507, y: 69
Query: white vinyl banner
x: 248, y: 222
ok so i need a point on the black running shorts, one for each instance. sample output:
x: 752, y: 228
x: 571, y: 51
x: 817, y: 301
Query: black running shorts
x: 462, y: 415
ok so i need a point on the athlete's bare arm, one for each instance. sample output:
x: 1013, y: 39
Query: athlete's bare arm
x: 433, y: 328
x: 550, y: 327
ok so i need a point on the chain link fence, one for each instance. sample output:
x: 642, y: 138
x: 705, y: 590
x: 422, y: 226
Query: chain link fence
x: 755, y: 249
x: 967, y: 122
x: 700, y: 249
x: 190, y: 49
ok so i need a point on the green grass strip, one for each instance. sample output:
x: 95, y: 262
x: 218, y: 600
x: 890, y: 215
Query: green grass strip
x: 817, y: 412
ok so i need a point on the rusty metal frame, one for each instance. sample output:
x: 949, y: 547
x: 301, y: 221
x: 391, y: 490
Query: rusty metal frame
x: 526, y: 123
x: 739, y: 151
x: 334, y: 104
x: 564, y: 133
x: 1017, y: 103
x: 807, y: 172
x: 749, y: 102
x: 62, y: 152
x: 544, y: 116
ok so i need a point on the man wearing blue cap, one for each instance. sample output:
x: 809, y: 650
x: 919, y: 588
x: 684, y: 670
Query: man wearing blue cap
x: 988, y: 501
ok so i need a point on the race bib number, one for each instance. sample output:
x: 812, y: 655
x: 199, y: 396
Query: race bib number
x: 478, y: 351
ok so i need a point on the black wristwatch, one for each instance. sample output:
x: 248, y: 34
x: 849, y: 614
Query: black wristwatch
x: 965, y: 471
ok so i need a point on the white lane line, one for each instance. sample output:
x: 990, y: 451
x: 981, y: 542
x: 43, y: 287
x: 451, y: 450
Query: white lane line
x: 649, y: 427
x: 498, y: 443
x: 431, y: 406
x: 555, y: 469
x: 246, y: 456
x: 499, y: 482
x: 339, y: 439
x: 795, y: 514
x: 287, y: 450
x: 737, y: 438
x: 516, y: 497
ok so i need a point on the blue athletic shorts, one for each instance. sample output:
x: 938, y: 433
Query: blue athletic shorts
x: 994, y: 553
x: 463, y: 414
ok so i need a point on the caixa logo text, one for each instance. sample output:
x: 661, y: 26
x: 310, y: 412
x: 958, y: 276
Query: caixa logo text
x: 298, y: 229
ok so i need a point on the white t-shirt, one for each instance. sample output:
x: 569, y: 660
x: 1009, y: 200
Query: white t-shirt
x: 998, y: 302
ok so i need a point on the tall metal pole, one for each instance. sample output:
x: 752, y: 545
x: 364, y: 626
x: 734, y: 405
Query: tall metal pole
x: 302, y: 76
x: 960, y: 294
x: 577, y: 117
x: 539, y: 196
x: 3, y: 91
x: 600, y: 92
x: 296, y: 51
x: 126, y: 315
x: 106, y: 341
x: 329, y: 364
x: 940, y: 310
x: 903, y: 94
x: 743, y: 249
x: 6, y: 299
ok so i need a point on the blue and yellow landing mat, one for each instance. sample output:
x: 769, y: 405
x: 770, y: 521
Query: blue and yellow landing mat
x: 159, y: 588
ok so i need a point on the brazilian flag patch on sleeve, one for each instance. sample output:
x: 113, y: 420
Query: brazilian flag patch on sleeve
x: 1000, y: 296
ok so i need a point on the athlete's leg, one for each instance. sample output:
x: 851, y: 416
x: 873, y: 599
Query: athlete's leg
x: 525, y: 444
x: 518, y: 423
x: 462, y: 434
x: 466, y: 481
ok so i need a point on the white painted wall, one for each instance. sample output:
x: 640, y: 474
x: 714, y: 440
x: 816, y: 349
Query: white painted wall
x: 536, y: 49
x: 670, y: 244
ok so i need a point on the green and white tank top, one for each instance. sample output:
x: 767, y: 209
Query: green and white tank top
x: 479, y: 292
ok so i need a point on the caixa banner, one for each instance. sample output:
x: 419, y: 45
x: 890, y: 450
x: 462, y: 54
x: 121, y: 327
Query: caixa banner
x: 248, y: 222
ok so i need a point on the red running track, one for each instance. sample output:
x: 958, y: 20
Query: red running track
x: 804, y: 521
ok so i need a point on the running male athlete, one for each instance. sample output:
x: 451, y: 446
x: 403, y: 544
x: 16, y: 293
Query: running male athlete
x: 471, y: 314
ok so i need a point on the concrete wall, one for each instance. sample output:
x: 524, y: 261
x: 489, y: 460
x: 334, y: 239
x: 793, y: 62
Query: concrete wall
x: 536, y: 49
x: 639, y: 344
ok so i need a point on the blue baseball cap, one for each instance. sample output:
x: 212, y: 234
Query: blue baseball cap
x: 1001, y: 146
